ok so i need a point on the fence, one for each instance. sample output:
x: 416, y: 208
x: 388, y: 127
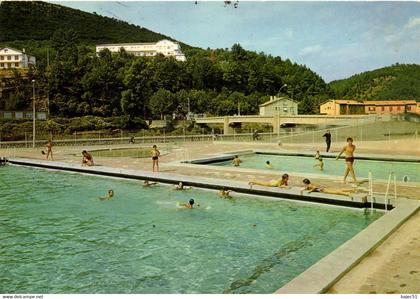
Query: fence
x: 381, y: 130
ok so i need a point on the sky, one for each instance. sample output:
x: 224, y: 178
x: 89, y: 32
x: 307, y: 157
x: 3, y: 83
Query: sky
x: 334, y: 39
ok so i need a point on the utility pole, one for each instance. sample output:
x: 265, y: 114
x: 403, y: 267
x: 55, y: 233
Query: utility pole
x: 33, y: 113
x: 48, y: 91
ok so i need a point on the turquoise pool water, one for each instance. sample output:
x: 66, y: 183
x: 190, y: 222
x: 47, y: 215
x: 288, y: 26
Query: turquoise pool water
x: 56, y: 236
x: 379, y: 169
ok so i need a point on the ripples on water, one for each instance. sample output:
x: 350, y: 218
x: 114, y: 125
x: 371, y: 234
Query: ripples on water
x: 56, y: 236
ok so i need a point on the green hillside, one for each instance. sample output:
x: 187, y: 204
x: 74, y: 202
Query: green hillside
x: 396, y: 82
x: 37, y: 21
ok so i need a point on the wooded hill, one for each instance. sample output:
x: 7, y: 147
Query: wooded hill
x: 396, y: 82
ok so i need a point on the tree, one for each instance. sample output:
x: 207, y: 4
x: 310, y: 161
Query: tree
x: 162, y: 102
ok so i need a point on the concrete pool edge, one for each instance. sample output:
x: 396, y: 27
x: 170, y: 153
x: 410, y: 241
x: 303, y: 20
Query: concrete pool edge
x: 322, y: 275
x: 207, y: 183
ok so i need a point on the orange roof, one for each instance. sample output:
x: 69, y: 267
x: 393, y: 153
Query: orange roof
x: 384, y: 102
x: 387, y: 103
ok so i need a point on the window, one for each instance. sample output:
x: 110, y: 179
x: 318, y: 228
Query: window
x: 9, y: 57
x: 1, y: 57
x: 372, y: 109
x: 16, y: 57
x: 399, y: 108
x: 284, y: 109
x: 390, y: 108
x: 2, y: 64
x: 383, y: 108
x: 408, y: 108
x: 9, y: 65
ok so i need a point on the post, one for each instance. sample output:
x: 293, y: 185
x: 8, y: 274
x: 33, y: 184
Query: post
x: 33, y: 114
x: 26, y: 140
x: 395, y: 187
x: 371, y: 192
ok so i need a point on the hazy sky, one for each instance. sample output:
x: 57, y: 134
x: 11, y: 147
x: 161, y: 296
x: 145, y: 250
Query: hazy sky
x: 335, y: 39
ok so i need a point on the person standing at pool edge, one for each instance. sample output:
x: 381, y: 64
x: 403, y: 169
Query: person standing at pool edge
x: 349, y: 152
x: 327, y: 140
x: 155, y: 158
x: 49, y: 146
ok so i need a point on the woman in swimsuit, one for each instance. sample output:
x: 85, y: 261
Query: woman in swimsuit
x: 155, y: 158
x: 324, y: 189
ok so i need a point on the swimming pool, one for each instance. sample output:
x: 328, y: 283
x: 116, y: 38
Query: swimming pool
x: 58, y: 237
x: 289, y: 163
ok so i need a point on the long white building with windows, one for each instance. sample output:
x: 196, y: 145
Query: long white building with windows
x: 14, y: 59
x: 164, y: 47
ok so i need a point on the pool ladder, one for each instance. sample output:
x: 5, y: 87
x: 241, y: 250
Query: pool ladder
x: 386, y: 200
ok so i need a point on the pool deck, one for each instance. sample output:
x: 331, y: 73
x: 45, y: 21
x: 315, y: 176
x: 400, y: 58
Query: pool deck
x: 398, y: 254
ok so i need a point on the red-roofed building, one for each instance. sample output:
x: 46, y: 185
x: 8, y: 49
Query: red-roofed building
x: 350, y: 107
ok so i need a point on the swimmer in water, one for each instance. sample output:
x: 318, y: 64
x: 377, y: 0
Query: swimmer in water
x: 225, y: 193
x: 324, y: 189
x: 283, y: 182
x: 236, y: 161
x: 181, y: 186
x: 109, y: 196
x: 148, y: 184
x: 188, y: 205
x: 268, y: 165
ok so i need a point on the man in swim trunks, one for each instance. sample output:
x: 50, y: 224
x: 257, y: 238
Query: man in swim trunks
x: 155, y: 158
x: 349, y: 152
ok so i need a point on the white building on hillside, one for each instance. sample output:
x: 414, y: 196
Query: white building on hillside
x: 165, y: 47
x: 11, y: 58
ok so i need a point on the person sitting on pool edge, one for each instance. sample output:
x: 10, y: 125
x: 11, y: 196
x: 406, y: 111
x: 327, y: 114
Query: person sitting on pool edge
x: 87, y: 159
x: 109, y: 196
x: 188, y: 205
x: 324, y: 189
x: 268, y: 164
x: 236, y: 161
x: 283, y: 182
x: 224, y: 193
